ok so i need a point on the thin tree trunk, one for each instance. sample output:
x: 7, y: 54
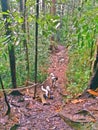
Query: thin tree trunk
x: 94, y: 2
x: 24, y: 28
x: 12, y: 64
x: 73, y: 7
x: 52, y: 12
x: 36, y: 45
x: 53, y: 8
x: 28, y: 33
x: 43, y: 6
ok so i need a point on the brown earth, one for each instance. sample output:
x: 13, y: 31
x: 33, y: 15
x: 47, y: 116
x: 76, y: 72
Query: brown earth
x: 57, y: 114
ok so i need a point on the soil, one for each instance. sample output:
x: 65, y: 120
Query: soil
x: 57, y: 113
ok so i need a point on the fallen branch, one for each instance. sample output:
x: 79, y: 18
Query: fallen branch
x: 71, y: 123
x: 85, y: 112
x: 20, y: 88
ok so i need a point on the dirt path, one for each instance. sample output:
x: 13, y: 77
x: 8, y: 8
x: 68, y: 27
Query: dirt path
x: 58, y: 67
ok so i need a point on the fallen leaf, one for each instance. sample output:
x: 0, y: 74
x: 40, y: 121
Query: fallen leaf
x: 58, y: 108
x: 15, y: 119
x: 77, y: 101
x: 29, y: 105
x: 92, y: 92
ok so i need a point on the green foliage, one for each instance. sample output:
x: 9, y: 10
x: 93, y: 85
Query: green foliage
x: 82, y: 47
x: 48, y: 26
x: 78, y: 70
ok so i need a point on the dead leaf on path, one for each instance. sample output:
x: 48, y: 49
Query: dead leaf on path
x: 75, y: 101
x: 64, y: 93
x: 58, y: 108
x: 92, y: 92
x: 53, y: 128
x: 78, y: 95
x: 29, y: 105
x: 1, y: 94
x: 15, y: 119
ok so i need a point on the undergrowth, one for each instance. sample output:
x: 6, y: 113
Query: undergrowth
x: 21, y: 72
x: 79, y: 70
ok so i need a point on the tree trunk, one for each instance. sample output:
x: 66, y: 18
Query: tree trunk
x: 36, y: 46
x: 53, y: 8
x: 94, y: 2
x: 5, y: 8
x: 52, y: 12
x: 43, y: 6
x: 24, y: 28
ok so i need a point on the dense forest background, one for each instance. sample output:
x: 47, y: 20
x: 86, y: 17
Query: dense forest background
x: 71, y: 23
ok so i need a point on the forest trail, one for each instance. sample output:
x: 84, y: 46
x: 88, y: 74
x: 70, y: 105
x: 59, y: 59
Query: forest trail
x: 58, y: 114
x: 58, y: 67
